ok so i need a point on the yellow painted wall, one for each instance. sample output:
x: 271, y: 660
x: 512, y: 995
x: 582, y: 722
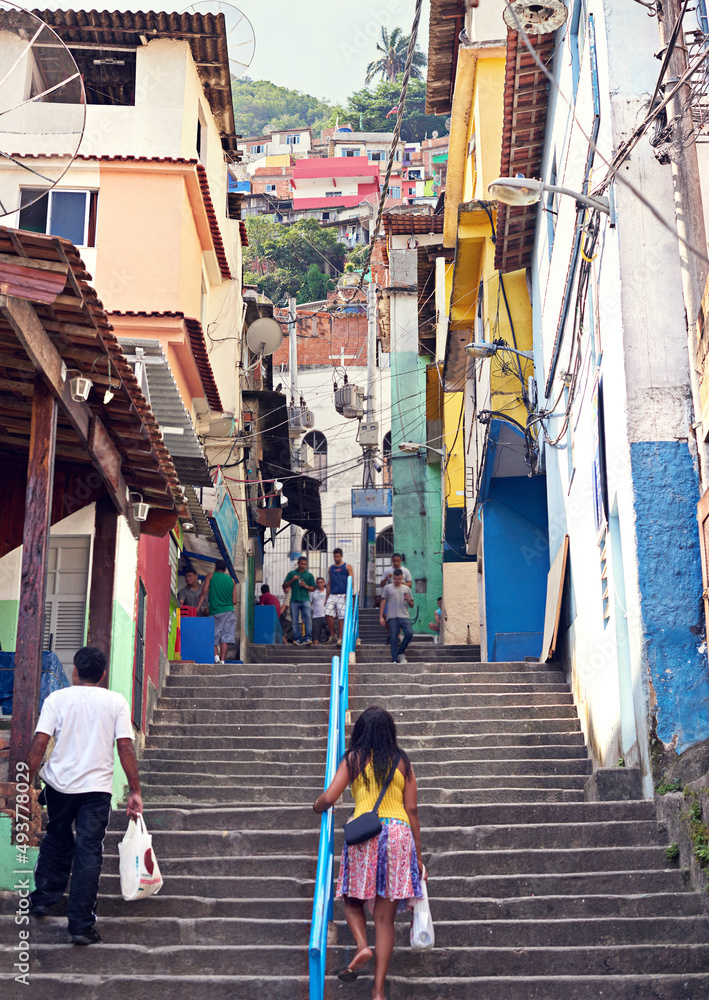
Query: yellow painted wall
x: 455, y: 469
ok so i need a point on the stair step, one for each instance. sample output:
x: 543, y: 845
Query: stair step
x: 288, y: 987
x: 237, y: 795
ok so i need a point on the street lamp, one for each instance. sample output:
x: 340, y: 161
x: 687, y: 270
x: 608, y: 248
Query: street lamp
x: 520, y: 191
x: 410, y: 447
x: 483, y: 349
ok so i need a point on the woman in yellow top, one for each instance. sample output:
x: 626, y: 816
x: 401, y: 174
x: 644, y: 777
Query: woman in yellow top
x: 385, y: 871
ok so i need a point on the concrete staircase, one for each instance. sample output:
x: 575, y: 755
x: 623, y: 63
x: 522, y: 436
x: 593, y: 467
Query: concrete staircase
x: 535, y: 894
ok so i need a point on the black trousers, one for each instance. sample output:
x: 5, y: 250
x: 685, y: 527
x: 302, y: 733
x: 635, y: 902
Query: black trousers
x: 62, y: 855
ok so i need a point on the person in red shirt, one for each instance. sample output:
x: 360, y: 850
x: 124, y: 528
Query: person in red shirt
x: 268, y: 598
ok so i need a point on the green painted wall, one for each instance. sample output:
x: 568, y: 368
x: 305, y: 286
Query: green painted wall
x: 8, y: 857
x: 121, y: 678
x: 417, y: 486
x: 9, y: 611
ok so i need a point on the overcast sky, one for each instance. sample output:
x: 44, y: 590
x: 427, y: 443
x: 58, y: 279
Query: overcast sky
x: 321, y: 47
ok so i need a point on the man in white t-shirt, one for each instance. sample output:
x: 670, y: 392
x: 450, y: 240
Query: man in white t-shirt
x: 85, y: 720
x: 318, y: 599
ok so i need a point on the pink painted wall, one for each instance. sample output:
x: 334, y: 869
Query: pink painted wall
x: 155, y: 572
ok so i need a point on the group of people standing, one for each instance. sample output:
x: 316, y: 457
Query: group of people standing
x: 318, y: 604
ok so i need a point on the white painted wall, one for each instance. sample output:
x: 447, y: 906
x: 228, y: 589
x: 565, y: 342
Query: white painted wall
x: 344, y: 468
x: 636, y: 296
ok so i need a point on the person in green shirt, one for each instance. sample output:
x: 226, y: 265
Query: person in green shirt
x: 220, y: 590
x: 301, y: 584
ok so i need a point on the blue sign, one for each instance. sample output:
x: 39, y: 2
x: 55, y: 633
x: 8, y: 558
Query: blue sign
x: 372, y: 501
x: 227, y: 522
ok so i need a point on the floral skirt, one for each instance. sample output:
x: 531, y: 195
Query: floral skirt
x: 383, y: 866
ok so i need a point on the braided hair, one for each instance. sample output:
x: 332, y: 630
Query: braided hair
x: 374, y: 739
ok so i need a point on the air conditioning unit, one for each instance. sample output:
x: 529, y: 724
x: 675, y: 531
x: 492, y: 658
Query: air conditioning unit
x: 300, y: 420
x: 349, y: 401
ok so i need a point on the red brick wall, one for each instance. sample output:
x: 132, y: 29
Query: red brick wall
x: 323, y: 336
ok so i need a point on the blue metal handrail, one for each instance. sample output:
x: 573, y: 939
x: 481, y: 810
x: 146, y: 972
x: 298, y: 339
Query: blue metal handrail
x: 324, y: 882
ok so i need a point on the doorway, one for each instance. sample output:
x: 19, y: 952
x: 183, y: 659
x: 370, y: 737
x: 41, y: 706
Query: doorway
x: 65, y: 602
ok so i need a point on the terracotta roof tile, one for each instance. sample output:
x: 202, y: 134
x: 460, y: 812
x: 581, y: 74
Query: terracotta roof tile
x: 199, y: 353
x: 526, y: 102
x: 213, y: 223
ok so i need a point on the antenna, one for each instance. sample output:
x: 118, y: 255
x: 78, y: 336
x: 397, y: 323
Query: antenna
x: 264, y: 336
x: 42, y: 108
x: 537, y: 17
x: 240, y: 37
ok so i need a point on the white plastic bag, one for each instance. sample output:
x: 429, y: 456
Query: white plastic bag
x: 422, y: 933
x: 140, y: 874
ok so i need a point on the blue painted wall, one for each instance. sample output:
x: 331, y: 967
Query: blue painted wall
x: 516, y: 547
x: 670, y: 577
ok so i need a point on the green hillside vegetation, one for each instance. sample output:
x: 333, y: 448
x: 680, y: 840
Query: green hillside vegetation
x: 258, y: 103
x: 289, y: 260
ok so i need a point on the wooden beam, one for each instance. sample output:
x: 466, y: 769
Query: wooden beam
x: 35, y: 551
x: 48, y: 362
x: 103, y: 565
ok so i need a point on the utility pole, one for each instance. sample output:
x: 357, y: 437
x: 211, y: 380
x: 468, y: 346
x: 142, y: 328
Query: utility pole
x: 369, y: 439
x: 294, y: 442
x: 689, y: 215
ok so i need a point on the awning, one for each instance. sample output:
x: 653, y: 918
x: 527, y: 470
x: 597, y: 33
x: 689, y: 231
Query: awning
x: 175, y: 423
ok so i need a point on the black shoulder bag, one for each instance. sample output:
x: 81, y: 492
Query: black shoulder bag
x: 368, y: 825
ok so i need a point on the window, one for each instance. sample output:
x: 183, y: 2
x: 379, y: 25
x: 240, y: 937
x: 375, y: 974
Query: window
x: 109, y: 76
x: 375, y: 155
x: 325, y: 216
x: 350, y: 152
x: 552, y: 207
x: 201, y: 136
x: 257, y: 149
x: 577, y: 37
x: 414, y: 175
x: 318, y: 442
x: 333, y: 194
x: 270, y: 187
x: 386, y: 455
x: 394, y: 191
x: 293, y: 140
x: 70, y: 214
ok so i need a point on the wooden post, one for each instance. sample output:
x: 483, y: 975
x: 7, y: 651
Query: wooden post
x: 35, y: 541
x: 103, y: 573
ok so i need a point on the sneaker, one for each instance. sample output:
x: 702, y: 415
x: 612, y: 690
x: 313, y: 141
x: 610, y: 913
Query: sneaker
x: 217, y: 660
x: 332, y: 641
x: 39, y: 912
x: 401, y: 658
x: 91, y: 936
x: 307, y: 642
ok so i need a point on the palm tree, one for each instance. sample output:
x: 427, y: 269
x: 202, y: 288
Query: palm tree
x: 394, y: 48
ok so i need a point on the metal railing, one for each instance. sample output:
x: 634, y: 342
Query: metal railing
x: 324, y: 880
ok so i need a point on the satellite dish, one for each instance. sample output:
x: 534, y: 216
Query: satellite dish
x: 264, y: 336
x: 540, y: 17
x: 42, y: 108
x: 240, y: 37
x: 449, y: 122
x: 434, y: 135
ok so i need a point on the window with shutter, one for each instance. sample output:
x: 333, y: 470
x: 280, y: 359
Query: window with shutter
x: 65, y: 607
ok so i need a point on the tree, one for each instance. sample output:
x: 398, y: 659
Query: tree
x: 394, y: 48
x: 371, y: 107
x: 280, y: 259
x: 258, y: 103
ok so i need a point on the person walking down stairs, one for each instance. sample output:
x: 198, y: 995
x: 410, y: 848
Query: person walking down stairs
x: 396, y: 601
x: 384, y: 872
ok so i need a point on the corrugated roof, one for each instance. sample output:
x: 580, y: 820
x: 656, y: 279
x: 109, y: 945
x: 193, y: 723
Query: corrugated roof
x: 526, y: 105
x: 412, y: 224
x: 166, y: 403
x: 205, y: 34
x: 447, y: 21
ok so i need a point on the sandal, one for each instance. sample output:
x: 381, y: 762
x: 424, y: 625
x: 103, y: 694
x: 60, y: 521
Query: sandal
x: 348, y: 975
